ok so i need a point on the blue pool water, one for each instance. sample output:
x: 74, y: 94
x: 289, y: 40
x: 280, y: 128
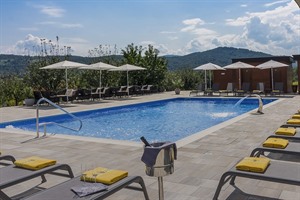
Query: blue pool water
x: 171, y: 119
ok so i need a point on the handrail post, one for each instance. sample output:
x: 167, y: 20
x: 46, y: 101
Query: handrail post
x: 37, y: 118
x: 45, y: 124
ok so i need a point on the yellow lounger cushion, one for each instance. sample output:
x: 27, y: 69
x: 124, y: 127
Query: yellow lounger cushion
x: 103, y: 175
x: 296, y: 116
x: 253, y: 164
x: 276, y: 143
x: 286, y: 131
x: 293, y: 121
x: 256, y: 91
x: 276, y: 91
x: 34, y: 163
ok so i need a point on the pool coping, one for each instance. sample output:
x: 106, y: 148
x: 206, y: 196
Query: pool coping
x: 179, y: 143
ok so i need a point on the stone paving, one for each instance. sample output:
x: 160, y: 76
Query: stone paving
x: 201, y: 161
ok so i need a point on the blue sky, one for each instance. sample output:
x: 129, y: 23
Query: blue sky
x: 175, y: 27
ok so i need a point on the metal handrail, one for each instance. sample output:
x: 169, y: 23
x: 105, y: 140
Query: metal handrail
x: 46, y: 123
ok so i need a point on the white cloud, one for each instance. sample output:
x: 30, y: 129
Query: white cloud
x: 244, y: 5
x: 61, y: 25
x: 28, y: 29
x: 71, y: 25
x: 51, y: 11
x: 276, y: 2
x: 167, y: 32
x: 274, y: 31
x: 195, y: 21
x: 192, y: 24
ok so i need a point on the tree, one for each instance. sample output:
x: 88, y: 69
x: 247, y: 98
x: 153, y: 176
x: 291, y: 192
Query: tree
x: 44, y: 79
x: 13, y: 88
x: 156, y: 66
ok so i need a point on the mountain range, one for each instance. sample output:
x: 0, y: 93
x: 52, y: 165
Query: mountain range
x: 16, y: 64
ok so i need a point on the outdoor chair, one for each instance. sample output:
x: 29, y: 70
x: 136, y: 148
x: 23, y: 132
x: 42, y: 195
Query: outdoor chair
x: 12, y: 175
x: 96, y: 94
x: 146, y: 89
x: 295, y: 137
x: 215, y: 88
x: 245, y: 89
x: 122, y: 91
x: 229, y: 89
x: 293, y: 148
x: 70, y: 95
x: 51, y: 96
x: 260, y: 89
x: 278, y: 88
x: 277, y: 171
x: 63, y: 190
x: 136, y: 90
x: 107, y: 92
x: 198, y: 91
x: 83, y: 94
x: 37, y: 96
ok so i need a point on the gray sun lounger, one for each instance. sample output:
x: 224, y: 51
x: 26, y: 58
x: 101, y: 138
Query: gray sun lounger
x: 293, y: 148
x: 63, y: 190
x: 277, y: 171
x: 12, y: 175
x: 296, y: 137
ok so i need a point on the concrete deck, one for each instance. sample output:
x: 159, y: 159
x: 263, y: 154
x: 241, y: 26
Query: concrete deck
x: 201, y: 160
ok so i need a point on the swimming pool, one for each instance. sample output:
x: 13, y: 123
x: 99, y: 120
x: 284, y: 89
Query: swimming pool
x: 171, y: 119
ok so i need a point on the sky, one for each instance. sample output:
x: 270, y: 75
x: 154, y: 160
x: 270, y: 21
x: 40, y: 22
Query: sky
x: 174, y: 27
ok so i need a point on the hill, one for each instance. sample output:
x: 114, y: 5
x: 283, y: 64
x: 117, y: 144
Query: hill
x: 221, y: 56
x: 16, y: 64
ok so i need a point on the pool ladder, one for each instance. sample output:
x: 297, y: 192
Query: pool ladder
x: 48, y: 123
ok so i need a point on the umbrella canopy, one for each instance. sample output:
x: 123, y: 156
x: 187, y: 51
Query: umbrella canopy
x: 208, y: 66
x: 127, y: 68
x: 298, y: 2
x: 239, y: 65
x: 65, y: 65
x: 270, y: 65
x: 99, y: 66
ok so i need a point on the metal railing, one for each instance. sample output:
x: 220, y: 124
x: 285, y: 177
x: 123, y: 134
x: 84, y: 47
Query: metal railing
x: 46, y: 123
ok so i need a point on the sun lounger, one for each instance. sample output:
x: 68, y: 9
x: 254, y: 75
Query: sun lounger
x: 63, y: 190
x: 293, y: 148
x: 12, y: 175
x: 245, y: 89
x: 295, y: 137
x: 229, y: 89
x: 277, y: 171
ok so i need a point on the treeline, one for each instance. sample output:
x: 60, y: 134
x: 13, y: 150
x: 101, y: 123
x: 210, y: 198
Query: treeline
x: 16, y: 88
x: 15, y: 64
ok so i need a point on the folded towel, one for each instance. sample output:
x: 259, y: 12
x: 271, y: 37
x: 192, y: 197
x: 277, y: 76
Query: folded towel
x: 286, y: 131
x: 88, y: 188
x: 296, y: 116
x: 276, y: 143
x: 253, y: 164
x: 293, y: 121
x: 34, y: 163
x: 103, y: 175
x: 256, y: 91
x: 276, y: 91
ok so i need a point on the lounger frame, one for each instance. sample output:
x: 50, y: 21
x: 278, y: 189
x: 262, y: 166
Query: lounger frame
x: 277, y: 171
x: 12, y: 175
x: 63, y: 190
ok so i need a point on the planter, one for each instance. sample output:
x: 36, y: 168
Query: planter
x: 177, y: 91
x: 294, y: 88
x: 29, y: 102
